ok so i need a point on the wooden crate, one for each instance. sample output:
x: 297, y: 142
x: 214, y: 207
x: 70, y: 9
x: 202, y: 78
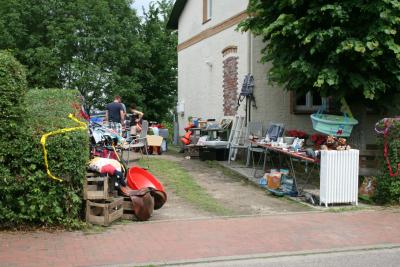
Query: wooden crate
x: 104, y: 212
x: 96, y: 187
x: 128, y: 209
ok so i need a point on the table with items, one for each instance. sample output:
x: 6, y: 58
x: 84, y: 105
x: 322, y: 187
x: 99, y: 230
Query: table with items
x: 338, y: 172
x: 290, y: 157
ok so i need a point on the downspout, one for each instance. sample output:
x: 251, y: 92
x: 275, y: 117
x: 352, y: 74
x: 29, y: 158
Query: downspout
x: 249, y: 71
x: 249, y: 53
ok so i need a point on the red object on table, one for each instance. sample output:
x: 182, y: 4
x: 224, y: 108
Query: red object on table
x: 297, y: 133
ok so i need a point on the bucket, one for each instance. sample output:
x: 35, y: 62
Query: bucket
x: 274, y: 180
x: 262, y: 182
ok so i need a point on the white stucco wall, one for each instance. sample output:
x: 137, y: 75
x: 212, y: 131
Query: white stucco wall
x: 191, y: 19
x: 200, y: 66
x: 273, y: 103
x: 200, y: 86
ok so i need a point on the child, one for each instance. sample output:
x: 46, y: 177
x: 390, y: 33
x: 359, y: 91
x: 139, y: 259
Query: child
x: 136, y: 120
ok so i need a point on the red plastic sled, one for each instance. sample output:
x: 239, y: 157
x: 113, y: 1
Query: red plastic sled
x: 138, y: 178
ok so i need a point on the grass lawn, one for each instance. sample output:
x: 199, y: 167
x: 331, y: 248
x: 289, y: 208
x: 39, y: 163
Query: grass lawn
x: 179, y: 180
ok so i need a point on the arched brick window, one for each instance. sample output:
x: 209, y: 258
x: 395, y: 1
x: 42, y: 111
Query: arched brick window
x: 230, y: 86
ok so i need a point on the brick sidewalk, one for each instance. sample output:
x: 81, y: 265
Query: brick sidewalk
x: 140, y: 243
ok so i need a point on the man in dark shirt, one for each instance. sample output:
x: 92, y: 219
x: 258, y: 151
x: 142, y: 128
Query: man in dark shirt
x: 115, y: 115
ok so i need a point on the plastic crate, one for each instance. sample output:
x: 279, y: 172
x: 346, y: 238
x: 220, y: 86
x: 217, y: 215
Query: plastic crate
x: 208, y: 153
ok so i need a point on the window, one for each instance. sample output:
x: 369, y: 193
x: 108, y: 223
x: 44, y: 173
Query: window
x: 306, y: 103
x: 207, y: 10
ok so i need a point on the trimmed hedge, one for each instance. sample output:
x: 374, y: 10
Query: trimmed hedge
x: 12, y: 92
x: 30, y: 196
x: 388, y: 188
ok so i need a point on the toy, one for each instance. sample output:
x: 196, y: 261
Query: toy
x: 333, y: 143
x: 330, y: 144
x: 342, y: 144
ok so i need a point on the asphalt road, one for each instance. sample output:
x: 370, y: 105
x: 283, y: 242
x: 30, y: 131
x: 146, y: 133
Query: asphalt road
x: 359, y: 258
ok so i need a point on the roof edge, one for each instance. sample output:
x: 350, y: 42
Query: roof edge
x: 175, y: 14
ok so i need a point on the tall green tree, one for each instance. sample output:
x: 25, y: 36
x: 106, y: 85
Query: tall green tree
x: 90, y: 45
x: 159, y: 70
x: 340, y: 48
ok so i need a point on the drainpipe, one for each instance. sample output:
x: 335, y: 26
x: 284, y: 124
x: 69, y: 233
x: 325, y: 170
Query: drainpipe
x: 249, y: 53
x: 249, y: 70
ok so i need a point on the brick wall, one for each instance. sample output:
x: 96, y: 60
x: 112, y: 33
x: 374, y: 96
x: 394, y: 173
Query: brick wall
x: 230, y: 68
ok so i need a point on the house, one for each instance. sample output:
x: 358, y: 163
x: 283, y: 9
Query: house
x: 213, y: 59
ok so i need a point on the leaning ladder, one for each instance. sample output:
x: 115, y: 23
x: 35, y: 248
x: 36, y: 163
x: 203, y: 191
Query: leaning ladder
x: 236, y: 136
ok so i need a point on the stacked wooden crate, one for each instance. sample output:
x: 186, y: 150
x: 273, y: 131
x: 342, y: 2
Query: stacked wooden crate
x: 127, y: 206
x: 102, y: 204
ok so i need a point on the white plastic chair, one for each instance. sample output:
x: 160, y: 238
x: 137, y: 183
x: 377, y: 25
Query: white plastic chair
x: 255, y: 129
x: 139, y: 142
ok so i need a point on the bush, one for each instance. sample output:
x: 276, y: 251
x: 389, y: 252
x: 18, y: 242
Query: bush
x: 388, y: 187
x: 12, y: 92
x: 30, y: 196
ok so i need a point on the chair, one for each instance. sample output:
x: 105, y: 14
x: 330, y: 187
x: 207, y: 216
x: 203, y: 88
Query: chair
x: 139, y: 141
x: 255, y: 129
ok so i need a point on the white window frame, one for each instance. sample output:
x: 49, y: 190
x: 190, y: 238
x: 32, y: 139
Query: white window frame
x: 309, y: 107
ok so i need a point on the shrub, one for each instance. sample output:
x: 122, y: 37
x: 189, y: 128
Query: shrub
x: 31, y: 197
x: 388, y: 187
x: 12, y: 91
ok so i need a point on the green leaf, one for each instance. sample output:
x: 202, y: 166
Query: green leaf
x: 372, y: 45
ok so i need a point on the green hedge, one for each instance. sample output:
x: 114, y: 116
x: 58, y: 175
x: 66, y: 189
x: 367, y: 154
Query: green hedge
x: 12, y: 92
x: 30, y: 196
x: 388, y: 188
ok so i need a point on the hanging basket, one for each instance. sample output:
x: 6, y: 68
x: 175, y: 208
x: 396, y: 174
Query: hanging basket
x: 340, y: 126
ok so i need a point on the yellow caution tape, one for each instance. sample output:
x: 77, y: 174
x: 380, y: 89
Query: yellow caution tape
x: 44, y: 137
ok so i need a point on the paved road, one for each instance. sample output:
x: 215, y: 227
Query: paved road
x: 195, y: 240
x: 356, y: 258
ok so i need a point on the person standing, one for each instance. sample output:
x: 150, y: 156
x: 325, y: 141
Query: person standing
x: 115, y: 115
